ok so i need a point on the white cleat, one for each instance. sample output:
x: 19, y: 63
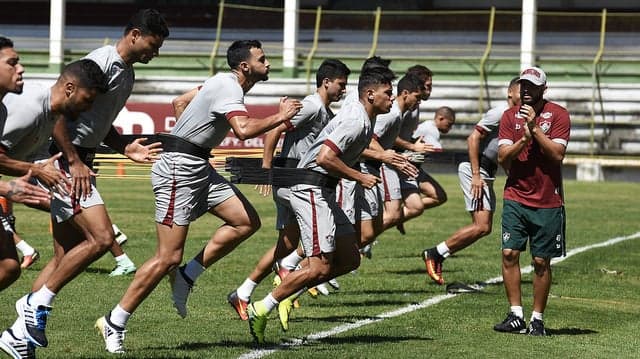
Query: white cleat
x: 180, y: 288
x: 112, y: 335
x: 16, y: 348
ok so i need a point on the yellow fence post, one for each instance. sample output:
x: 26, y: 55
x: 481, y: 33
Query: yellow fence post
x: 595, y: 86
x: 216, y: 44
x: 483, y: 61
x: 376, y: 28
x: 314, y: 47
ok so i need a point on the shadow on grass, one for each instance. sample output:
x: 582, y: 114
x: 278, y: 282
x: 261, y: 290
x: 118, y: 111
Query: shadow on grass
x: 95, y: 270
x: 369, y: 339
x: 195, y: 346
x: 570, y: 331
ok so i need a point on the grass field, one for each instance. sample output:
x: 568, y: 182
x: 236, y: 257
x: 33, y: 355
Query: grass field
x: 591, y: 313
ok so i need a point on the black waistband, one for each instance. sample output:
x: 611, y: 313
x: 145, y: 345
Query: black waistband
x: 373, y: 163
x: 287, y: 177
x: 285, y: 162
x: 171, y: 143
x: 87, y: 155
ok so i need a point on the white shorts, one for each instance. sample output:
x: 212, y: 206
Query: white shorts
x: 359, y: 203
x: 64, y: 207
x: 390, y: 185
x: 320, y: 218
x: 186, y: 187
x: 284, y: 213
x: 488, y: 202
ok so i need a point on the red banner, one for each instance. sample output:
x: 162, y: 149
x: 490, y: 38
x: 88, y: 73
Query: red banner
x: 149, y: 118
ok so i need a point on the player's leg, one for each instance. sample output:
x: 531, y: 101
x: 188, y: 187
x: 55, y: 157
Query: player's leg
x: 168, y: 255
x: 413, y: 205
x: 9, y: 265
x: 124, y: 265
x: 433, y: 194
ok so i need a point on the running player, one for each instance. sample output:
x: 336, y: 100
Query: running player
x: 186, y: 186
x: 30, y: 121
x: 29, y: 254
x: 301, y: 132
x: 476, y: 180
x: 328, y: 238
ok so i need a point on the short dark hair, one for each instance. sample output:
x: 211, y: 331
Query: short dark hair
x: 88, y: 74
x: 240, y: 50
x: 421, y: 71
x: 373, y: 78
x: 447, y: 112
x: 5, y: 42
x: 149, y: 22
x: 411, y: 83
x: 375, y: 62
x: 331, y: 69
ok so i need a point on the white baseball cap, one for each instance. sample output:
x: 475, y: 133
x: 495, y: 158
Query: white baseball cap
x: 535, y: 75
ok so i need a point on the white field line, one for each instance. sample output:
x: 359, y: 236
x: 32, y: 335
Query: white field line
x: 260, y: 353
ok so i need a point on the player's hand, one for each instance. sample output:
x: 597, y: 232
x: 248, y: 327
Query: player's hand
x: 402, y: 164
x: 263, y: 189
x: 138, y: 152
x: 368, y: 181
x: 289, y: 107
x: 81, y: 176
x: 422, y: 147
x: 529, y: 115
x: 477, y: 183
x: 52, y: 177
x: 21, y: 191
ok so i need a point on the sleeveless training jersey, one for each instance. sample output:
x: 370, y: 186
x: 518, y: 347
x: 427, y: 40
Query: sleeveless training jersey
x: 533, y: 179
x: 305, y: 126
x: 29, y: 122
x: 93, y: 125
x: 348, y: 134
x: 205, y: 120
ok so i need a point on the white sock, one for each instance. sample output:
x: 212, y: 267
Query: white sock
x: 119, y: 316
x: 270, y: 302
x: 25, y: 248
x: 42, y: 296
x: 193, y: 269
x: 517, y: 310
x: 245, y: 290
x: 123, y: 259
x: 536, y: 315
x: 443, y: 250
x: 291, y: 261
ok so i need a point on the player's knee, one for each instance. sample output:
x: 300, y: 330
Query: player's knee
x: 540, y: 265
x: 483, y: 229
x: 510, y: 257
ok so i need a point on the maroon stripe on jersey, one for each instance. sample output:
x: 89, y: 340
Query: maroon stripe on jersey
x: 289, y: 125
x: 233, y: 114
x: 314, y: 221
x: 332, y: 146
x: 481, y: 129
x: 340, y: 189
x: 375, y: 137
x: 168, y: 218
x: 3, y: 149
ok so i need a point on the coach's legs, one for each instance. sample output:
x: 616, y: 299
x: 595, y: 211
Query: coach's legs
x: 541, y: 283
x: 511, y: 276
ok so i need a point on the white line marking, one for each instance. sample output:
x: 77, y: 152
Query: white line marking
x: 260, y: 353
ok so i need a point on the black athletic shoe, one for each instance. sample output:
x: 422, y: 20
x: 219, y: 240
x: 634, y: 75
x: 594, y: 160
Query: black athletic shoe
x: 511, y: 324
x: 536, y: 328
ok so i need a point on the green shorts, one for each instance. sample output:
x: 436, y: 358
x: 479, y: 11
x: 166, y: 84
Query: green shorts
x: 543, y: 227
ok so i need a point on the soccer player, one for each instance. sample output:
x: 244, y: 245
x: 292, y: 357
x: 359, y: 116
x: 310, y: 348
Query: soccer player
x: 31, y: 118
x: 300, y: 133
x: 532, y: 142
x: 476, y: 180
x: 186, y: 186
x: 18, y: 190
x: 327, y: 237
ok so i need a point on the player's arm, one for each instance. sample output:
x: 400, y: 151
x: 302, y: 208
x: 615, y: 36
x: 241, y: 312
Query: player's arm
x: 376, y: 152
x: 135, y: 150
x: 270, y: 142
x: 45, y: 171
x: 245, y: 127
x: 80, y: 173
x: 181, y: 102
x: 329, y: 159
x: 552, y: 150
x: 473, y: 144
x: 419, y: 146
x: 21, y: 191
